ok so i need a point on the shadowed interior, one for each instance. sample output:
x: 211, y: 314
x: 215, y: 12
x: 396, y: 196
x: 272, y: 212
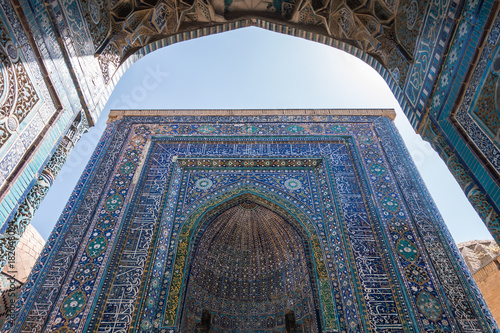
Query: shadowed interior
x: 248, y: 271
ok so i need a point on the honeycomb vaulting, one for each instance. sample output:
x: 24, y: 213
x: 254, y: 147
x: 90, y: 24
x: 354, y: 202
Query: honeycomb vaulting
x: 250, y: 260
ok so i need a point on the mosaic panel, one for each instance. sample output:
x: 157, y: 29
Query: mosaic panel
x: 18, y: 94
x: 406, y: 38
x: 38, y: 121
x: 478, y: 112
x: 483, y: 205
x: 435, y: 34
x: 450, y: 73
x: 83, y: 47
x: 379, y: 252
x: 10, y: 289
x: 65, y: 237
x: 186, y: 230
x: 428, y: 223
x: 403, y: 40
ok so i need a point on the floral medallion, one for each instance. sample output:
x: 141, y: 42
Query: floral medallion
x: 407, y: 250
x: 429, y: 306
x: 293, y: 184
x: 398, y: 226
x: 97, y: 246
x: 294, y: 129
x: 105, y: 222
x: 73, y: 304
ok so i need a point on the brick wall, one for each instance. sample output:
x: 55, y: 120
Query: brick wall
x: 27, y: 251
x: 488, y: 280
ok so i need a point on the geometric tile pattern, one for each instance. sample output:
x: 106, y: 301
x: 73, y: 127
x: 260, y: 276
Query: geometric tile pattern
x: 249, y: 267
x: 39, y: 117
x: 132, y: 249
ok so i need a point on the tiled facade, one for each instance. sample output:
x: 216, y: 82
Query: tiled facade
x: 161, y: 228
x: 487, y: 280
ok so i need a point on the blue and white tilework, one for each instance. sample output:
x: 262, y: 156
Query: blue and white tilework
x: 378, y: 255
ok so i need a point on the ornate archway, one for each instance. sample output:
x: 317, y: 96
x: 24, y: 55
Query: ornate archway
x: 248, y: 269
x: 320, y: 299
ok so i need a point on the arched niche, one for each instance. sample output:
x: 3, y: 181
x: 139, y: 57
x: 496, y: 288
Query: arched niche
x: 249, y: 271
x: 199, y: 222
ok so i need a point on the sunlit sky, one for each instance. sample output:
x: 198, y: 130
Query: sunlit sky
x: 252, y: 68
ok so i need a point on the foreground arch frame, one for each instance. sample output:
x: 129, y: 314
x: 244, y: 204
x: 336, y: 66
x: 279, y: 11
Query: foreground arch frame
x: 382, y: 257
x: 62, y: 59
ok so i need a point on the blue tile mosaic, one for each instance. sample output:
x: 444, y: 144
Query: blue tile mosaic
x: 126, y: 252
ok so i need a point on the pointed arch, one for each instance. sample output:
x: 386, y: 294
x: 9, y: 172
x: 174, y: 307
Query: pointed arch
x: 211, y: 207
x: 262, y: 23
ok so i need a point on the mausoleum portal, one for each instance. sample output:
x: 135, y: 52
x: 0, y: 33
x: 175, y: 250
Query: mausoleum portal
x: 227, y: 221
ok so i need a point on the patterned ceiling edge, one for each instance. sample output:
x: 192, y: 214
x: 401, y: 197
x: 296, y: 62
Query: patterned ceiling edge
x: 119, y: 114
x: 253, y: 163
x: 275, y: 27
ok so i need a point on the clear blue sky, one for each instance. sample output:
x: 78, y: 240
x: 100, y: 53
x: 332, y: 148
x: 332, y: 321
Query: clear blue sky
x: 253, y: 68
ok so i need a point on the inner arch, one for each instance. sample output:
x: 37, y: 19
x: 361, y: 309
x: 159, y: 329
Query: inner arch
x: 249, y: 272
x: 281, y: 28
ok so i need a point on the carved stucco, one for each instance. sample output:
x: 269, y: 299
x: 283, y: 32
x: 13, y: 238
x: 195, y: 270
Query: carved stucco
x: 386, y: 30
